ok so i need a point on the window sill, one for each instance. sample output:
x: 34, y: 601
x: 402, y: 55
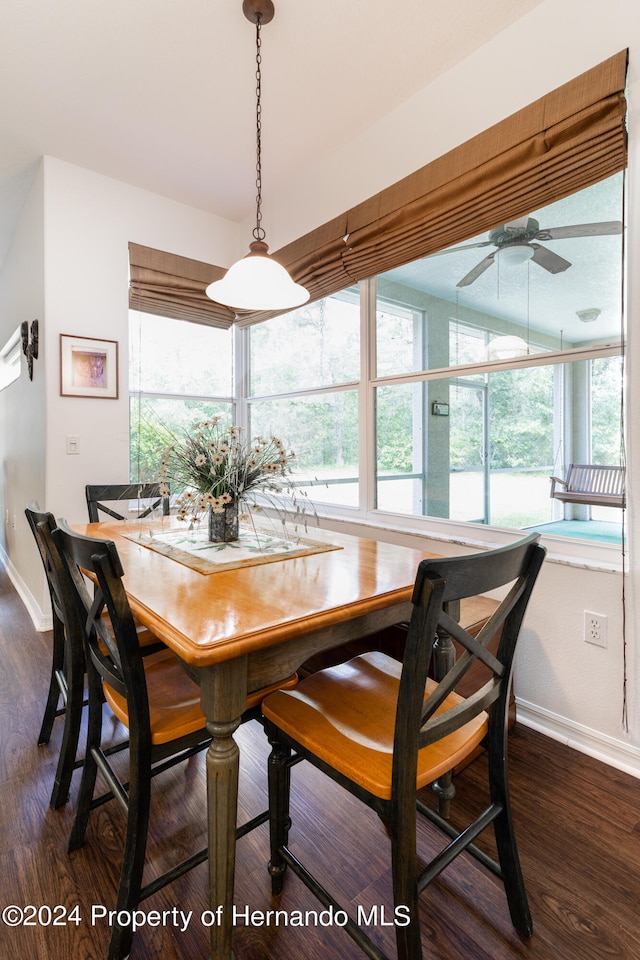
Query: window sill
x: 412, y: 532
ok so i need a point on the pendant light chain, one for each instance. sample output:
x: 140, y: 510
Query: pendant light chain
x: 258, y: 232
x: 257, y: 282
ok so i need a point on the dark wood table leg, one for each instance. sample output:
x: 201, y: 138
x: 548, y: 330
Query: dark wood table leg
x: 223, y: 697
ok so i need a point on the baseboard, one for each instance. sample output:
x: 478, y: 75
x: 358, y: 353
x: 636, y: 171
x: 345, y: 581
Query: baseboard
x: 615, y: 753
x: 41, y: 620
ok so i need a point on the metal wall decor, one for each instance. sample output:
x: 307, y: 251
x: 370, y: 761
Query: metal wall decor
x: 30, y: 344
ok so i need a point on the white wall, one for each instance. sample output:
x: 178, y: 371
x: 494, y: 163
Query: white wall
x: 89, y: 221
x: 551, y: 45
x: 22, y: 403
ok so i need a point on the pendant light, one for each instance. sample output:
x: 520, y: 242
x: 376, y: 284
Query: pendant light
x: 258, y: 282
x: 507, y: 348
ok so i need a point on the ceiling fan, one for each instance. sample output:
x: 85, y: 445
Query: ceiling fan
x: 514, y: 243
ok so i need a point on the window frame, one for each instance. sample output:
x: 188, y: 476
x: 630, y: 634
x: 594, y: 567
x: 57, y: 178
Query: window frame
x: 576, y: 134
x: 367, y: 514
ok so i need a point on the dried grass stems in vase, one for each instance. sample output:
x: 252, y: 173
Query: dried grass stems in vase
x: 223, y: 477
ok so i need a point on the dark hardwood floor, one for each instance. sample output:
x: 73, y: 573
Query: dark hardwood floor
x: 578, y: 824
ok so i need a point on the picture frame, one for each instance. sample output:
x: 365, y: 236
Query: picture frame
x: 88, y: 367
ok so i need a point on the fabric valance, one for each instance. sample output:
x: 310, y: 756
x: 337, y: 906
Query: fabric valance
x: 171, y: 286
x: 561, y: 143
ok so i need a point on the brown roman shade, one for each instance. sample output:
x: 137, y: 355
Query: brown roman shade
x: 172, y: 286
x: 562, y: 143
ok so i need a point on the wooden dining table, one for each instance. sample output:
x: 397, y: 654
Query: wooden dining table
x: 236, y: 630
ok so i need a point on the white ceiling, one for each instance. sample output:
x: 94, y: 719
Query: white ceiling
x: 160, y: 93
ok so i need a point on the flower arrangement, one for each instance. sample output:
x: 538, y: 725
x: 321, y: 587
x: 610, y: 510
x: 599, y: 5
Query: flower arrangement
x: 216, y: 472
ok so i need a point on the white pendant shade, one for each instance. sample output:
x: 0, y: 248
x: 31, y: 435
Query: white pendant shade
x: 506, y: 348
x: 257, y: 282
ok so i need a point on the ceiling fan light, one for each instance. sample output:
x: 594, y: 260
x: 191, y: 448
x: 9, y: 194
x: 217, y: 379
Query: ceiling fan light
x: 507, y: 348
x: 257, y: 282
x: 588, y: 316
x: 514, y: 254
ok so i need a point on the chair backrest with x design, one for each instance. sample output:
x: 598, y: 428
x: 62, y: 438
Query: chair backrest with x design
x: 101, y: 497
x: 67, y: 667
x: 115, y: 653
x: 440, y: 585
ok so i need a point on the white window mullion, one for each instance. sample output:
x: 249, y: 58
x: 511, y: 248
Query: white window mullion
x: 241, y: 375
x: 367, y: 402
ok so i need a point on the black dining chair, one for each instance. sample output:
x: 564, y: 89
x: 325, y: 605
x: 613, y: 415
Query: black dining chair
x: 102, y: 497
x: 66, y: 682
x: 383, y: 730
x: 151, y: 696
x: 67, y: 677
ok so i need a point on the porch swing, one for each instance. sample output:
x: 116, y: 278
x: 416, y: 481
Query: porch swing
x: 589, y: 483
x: 597, y: 484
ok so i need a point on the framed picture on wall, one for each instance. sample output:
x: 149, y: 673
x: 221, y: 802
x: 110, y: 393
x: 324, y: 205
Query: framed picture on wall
x: 88, y: 367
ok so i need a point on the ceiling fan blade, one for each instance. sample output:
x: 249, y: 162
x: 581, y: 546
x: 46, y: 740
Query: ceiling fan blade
x: 466, y: 246
x: 477, y: 270
x: 610, y: 227
x: 548, y: 259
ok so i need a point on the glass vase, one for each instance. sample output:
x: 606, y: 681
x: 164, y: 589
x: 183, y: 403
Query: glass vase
x: 223, y: 527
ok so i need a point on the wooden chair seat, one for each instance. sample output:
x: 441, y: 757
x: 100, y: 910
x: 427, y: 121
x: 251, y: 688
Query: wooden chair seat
x: 346, y: 716
x: 174, y: 699
x: 145, y: 637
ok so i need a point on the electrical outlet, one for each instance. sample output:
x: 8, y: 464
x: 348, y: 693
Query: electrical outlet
x: 595, y: 628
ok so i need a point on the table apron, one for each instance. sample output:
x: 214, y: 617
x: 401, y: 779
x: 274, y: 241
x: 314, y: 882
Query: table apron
x: 274, y: 663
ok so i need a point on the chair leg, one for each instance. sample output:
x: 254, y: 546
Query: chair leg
x: 279, y: 777
x: 57, y: 665
x: 134, y: 854
x: 71, y: 735
x: 90, y: 767
x: 405, y: 883
x: 506, y: 840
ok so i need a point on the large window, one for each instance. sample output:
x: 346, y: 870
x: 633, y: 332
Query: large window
x: 451, y: 387
x: 304, y: 376
x: 472, y: 414
x: 179, y: 372
x: 482, y: 448
x: 488, y: 367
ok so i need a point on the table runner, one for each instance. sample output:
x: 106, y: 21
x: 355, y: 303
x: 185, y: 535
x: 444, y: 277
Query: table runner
x: 254, y: 546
